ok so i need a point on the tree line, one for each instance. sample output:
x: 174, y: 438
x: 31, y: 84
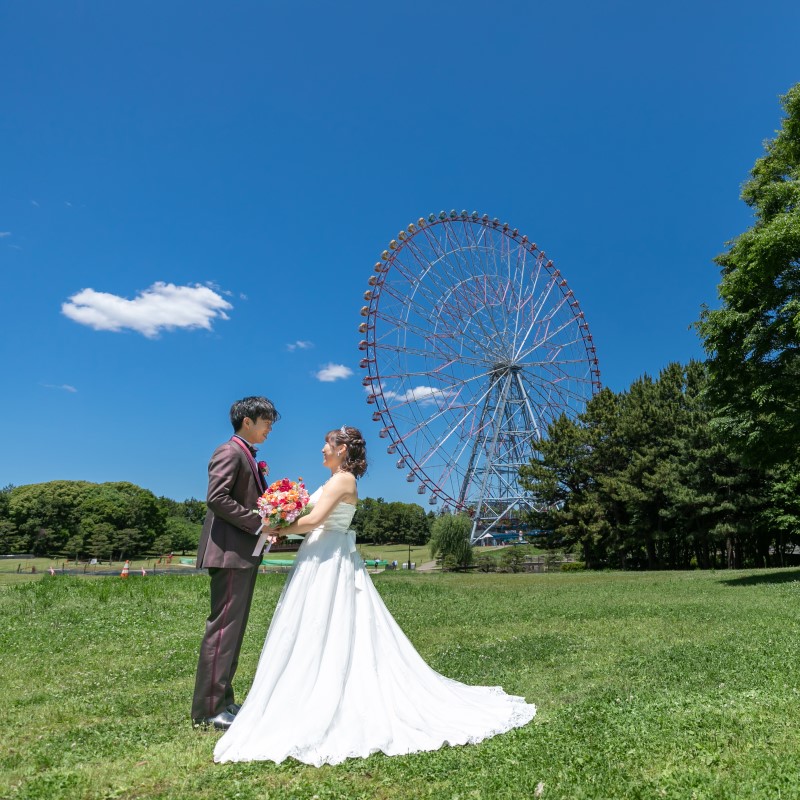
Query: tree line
x: 379, y: 522
x: 643, y: 480
x: 78, y: 519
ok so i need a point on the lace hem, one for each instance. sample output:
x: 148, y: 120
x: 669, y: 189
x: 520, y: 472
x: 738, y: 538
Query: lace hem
x: 522, y: 714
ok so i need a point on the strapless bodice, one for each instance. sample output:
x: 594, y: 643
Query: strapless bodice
x: 339, y: 519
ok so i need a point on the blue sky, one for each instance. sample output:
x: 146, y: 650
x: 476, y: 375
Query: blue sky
x: 236, y: 169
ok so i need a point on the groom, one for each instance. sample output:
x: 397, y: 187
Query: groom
x: 235, y: 483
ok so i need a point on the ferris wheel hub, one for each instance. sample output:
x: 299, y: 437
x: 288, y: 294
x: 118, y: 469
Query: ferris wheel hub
x: 500, y: 368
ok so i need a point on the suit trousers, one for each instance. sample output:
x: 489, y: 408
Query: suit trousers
x: 231, y: 596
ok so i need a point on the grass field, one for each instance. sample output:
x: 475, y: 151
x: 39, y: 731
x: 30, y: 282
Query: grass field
x: 649, y: 685
x: 33, y: 569
x: 420, y: 554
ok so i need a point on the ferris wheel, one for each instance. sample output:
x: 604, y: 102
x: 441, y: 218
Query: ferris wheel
x: 472, y: 344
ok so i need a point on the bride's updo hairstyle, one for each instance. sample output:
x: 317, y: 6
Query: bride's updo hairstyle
x: 355, y: 459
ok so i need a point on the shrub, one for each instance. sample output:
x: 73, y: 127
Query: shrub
x: 485, y: 563
x: 573, y: 566
x: 513, y: 559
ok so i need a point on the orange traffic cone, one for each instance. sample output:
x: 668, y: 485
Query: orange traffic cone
x: 125, y: 570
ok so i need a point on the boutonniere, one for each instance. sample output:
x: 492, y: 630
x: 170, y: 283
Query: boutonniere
x: 263, y: 468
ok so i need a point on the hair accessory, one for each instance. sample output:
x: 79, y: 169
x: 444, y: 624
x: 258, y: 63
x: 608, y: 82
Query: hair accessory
x: 343, y: 430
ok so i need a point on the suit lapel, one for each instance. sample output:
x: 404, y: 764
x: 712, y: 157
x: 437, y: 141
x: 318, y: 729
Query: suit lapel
x: 251, y: 461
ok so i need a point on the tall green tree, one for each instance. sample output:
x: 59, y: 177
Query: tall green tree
x: 574, y: 480
x: 753, y: 340
x: 450, y: 540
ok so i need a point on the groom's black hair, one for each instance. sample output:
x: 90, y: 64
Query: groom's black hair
x: 254, y: 407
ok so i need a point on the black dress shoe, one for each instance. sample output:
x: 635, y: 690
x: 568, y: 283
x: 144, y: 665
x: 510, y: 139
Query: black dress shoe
x: 221, y: 722
x: 233, y: 708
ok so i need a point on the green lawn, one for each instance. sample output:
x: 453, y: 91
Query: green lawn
x: 34, y: 568
x: 420, y: 554
x: 649, y: 685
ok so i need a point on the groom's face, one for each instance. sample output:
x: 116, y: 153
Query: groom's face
x: 256, y: 432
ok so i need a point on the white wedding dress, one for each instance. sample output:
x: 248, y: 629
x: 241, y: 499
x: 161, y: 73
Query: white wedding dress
x: 338, y: 679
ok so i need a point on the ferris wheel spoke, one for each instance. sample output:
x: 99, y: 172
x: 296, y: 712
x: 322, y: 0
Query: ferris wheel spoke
x: 485, y: 325
x: 557, y: 368
x: 518, y: 279
x: 480, y: 270
x: 445, y: 291
x: 455, y: 304
x: 550, y: 337
x: 417, y: 283
x: 420, y: 425
x: 446, y: 380
x: 568, y: 390
x: 427, y: 263
x: 413, y: 301
x: 555, y: 309
x: 452, y: 248
x: 451, y: 237
x: 424, y: 263
x: 504, y: 284
x: 467, y: 407
x: 463, y: 305
x: 441, y: 442
x: 443, y: 308
x: 545, y: 298
x: 407, y: 326
x: 557, y: 390
x: 411, y: 397
x: 399, y: 357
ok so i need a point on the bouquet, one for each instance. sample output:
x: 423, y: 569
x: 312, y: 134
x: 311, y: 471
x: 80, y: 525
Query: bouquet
x: 282, y: 503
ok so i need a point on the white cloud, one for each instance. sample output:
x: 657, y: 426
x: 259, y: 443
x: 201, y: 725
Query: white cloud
x: 4, y: 233
x: 65, y: 386
x: 333, y: 372
x: 163, y: 306
x: 419, y: 394
x: 299, y: 345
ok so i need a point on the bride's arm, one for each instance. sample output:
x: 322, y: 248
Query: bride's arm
x: 340, y: 486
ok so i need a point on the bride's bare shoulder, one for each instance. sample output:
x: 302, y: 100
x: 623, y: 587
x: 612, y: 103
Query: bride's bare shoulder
x: 343, y: 484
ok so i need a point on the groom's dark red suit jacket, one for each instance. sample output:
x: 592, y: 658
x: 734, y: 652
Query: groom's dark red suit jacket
x: 228, y: 538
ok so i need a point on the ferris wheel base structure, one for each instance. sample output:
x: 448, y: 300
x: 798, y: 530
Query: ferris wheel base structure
x: 473, y: 344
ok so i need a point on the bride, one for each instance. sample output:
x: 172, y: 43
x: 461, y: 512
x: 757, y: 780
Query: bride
x: 337, y: 678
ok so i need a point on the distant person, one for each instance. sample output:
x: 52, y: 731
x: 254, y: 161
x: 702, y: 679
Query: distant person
x: 226, y: 549
x: 332, y: 642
